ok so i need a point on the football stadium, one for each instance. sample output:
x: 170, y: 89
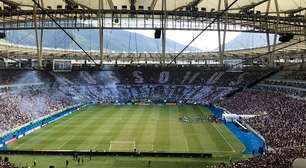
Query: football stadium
x: 152, y: 83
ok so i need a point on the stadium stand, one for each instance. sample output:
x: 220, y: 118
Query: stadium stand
x: 288, y: 82
x: 280, y: 121
x: 22, y: 106
x: 24, y: 103
x: 280, y: 159
x: 5, y: 164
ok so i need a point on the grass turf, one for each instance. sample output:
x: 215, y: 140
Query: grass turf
x: 146, y: 127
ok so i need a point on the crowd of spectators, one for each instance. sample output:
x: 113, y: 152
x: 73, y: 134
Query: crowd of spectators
x: 4, y: 164
x: 18, y: 107
x: 281, y: 120
x: 153, y: 93
x: 281, y: 158
x: 28, y: 95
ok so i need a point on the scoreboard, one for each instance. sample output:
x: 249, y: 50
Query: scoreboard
x: 233, y: 65
x: 60, y: 65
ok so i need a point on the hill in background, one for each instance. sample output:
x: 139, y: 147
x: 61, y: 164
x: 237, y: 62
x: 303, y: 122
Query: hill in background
x: 123, y: 41
x: 248, y: 40
x: 114, y: 40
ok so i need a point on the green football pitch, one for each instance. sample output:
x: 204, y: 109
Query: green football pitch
x: 159, y: 128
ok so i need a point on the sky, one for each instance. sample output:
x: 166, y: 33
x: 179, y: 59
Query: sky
x: 206, y: 42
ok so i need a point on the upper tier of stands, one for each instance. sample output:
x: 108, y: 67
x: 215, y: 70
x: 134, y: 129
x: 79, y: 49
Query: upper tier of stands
x: 289, y: 82
x: 134, y: 75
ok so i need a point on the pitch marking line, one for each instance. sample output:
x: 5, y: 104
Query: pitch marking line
x: 186, y: 144
x: 110, y: 146
x: 230, y: 145
x: 121, y: 142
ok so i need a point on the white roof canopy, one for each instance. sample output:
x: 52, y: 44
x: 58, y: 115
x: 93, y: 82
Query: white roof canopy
x: 284, y: 5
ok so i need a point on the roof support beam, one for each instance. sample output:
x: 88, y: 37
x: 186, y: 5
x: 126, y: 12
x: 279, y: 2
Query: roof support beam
x: 195, y: 3
x: 271, y: 54
x: 111, y: 4
x: 38, y: 35
x: 41, y: 36
x: 191, y: 4
x: 267, y: 27
x: 222, y: 41
x: 13, y: 4
x: 304, y: 54
x: 153, y: 4
x: 290, y: 12
x: 164, y: 26
x: 132, y: 4
x: 219, y: 32
x: 271, y: 61
x: 101, y: 33
x: 246, y: 8
x: 73, y: 4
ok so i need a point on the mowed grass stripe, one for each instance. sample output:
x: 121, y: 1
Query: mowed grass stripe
x: 125, y: 139
x: 87, y: 116
x: 152, y: 127
x: 114, y: 127
x: 214, y: 141
x: 93, y: 136
x: 40, y: 139
x: 191, y: 135
x: 128, y: 131
x: 162, y: 140
x: 232, y: 141
x: 178, y: 141
x: 72, y: 141
x: 142, y: 131
x: 204, y: 130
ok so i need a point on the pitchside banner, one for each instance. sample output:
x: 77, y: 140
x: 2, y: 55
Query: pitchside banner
x: 233, y: 65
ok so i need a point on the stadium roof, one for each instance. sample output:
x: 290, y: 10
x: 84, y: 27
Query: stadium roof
x: 15, y: 12
x: 261, y: 5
